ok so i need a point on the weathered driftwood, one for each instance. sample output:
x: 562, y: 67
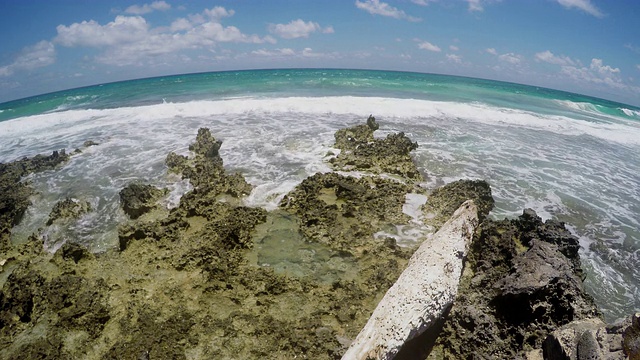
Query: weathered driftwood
x: 423, y: 293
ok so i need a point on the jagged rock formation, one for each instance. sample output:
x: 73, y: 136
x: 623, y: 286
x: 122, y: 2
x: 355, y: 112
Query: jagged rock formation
x: 360, y: 151
x: 186, y: 282
x: 68, y: 209
x: 444, y: 200
x: 14, y: 194
x: 343, y: 212
x: 423, y: 293
x: 137, y: 199
x: 521, y: 282
x: 183, y: 282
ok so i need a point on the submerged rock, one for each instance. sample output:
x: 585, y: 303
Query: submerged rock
x: 423, y: 293
x: 68, y: 209
x: 90, y: 143
x: 519, y: 285
x: 137, y: 199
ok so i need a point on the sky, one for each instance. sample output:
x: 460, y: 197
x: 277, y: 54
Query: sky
x: 590, y: 47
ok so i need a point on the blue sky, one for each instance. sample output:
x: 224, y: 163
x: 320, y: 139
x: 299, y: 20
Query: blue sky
x: 585, y: 46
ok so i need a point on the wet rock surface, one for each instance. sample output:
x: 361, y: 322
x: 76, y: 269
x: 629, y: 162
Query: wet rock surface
x: 137, y: 199
x: 522, y: 281
x: 68, y: 209
x: 344, y: 212
x: 361, y: 152
x: 444, y: 200
x: 183, y: 283
x: 14, y: 193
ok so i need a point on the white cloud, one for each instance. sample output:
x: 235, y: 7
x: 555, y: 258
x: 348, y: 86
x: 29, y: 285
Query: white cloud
x: 218, y: 13
x: 633, y: 48
x: 511, y: 58
x: 425, y: 45
x: 423, y: 2
x: 288, y: 52
x: 276, y: 52
x: 638, y: 66
x: 491, y: 51
x: 549, y: 57
x: 475, y: 5
x: 454, y: 58
x: 124, y: 29
x: 32, y: 57
x: 584, y: 5
x: 376, y: 7
x: 596, y: 73
x: 131, y: 40
x: 298, y: 28
x: 478, y: 5
x: 147, y: 8
x: 453, y: 48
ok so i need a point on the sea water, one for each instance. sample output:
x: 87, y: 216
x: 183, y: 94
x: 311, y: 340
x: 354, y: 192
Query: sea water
x: 569, y: 157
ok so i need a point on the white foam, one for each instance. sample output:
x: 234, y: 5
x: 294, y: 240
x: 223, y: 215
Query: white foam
x: 412, y: 205
x: 630, y: 113
x: 340, y: 105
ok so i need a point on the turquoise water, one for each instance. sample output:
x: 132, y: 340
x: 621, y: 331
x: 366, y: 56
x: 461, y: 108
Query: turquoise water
x: 303, y: 82
x: 567, y: 156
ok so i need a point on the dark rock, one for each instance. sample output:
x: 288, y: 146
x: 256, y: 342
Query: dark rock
x: 137, y: 199
x: 631, y: 338
x: 68, y: 208
x: 89, y: 143
x: 75, y: 252
x: 588, y: 347
x: 517, y: 288
x: 14, y: 194
x: 443, y: 201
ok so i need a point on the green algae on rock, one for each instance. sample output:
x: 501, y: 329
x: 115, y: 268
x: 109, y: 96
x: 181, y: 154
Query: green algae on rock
x: 443, y: 201
x: 344, y: 212
x: 138, y: 199
x: 68, y: 209
x: 361, y: 152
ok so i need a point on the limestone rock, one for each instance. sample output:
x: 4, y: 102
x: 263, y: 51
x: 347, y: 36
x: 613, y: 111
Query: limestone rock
x: 68, y: 208
x: 631, y: 338
x: 422, y: 294
x: 14, y: 194
x: 519, y: 286
x: 443, y: 201
x: 90, y: 143
x: 351, y: 138
x: 138, y: 199
x: 343, y: 211
x: 361, y: 152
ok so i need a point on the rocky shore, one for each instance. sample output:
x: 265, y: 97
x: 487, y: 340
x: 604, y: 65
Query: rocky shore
x: 198, y: 282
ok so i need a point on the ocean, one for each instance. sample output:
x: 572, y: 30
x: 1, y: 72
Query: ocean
x: 567, y: 156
